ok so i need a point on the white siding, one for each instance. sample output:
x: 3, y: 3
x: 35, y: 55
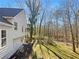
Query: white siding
x: 3, y: 50
x: 14, y: 37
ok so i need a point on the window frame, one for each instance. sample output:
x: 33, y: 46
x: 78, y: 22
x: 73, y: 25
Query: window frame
x: 15, y: 25
x: 22, y: 29
x: 3, y: 38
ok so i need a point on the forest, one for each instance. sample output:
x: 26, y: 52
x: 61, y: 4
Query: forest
x: 53, y: 33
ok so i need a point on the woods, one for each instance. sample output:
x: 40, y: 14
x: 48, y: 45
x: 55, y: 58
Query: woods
x: 55, y: 25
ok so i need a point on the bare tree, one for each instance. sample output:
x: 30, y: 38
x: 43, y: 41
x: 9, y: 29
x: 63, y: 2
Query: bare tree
x: 34, y: 7
x: 41, y: 20
x: 68, y: 14
x: 74, y: 8
x: 57, y: 16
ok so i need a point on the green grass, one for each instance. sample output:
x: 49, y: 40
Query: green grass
x: 65, y: 52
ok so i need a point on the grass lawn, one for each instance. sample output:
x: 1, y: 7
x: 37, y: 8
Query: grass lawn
x: 65, y: 52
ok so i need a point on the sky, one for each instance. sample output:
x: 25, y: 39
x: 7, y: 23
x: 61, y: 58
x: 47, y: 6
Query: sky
x: 11, y: 3
x: 52, y: 3
x: 7, y: 3
x: 49, y: 4
x: 17, y: 3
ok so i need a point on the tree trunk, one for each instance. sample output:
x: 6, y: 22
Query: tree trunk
x: 65, y: 28
x: 73, y: 39
x: 66, y: 35
x: 31, y: 32
x: 76, y: 33
x: 57, y: 28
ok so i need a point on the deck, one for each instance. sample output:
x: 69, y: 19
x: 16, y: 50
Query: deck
x: 22, y: 53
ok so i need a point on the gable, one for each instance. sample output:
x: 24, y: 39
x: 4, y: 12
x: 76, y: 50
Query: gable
x: 8, y: 12
x: 5, y: 20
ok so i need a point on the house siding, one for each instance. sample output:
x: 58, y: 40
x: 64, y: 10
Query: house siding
x: 15, y: 38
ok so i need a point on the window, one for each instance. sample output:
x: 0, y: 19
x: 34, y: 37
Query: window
x: 3, y: 38
x: 22, y: 28
x: 15, y: 24
x: 25, y: 29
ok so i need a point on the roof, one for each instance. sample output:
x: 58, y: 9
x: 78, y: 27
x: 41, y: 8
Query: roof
x: 5, y: 20
x: 11, y: 12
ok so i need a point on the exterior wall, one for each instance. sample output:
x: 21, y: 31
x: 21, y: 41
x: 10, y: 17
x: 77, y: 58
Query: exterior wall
x: 3, y: 50
x: 15, y: 37
x: 21, y: 20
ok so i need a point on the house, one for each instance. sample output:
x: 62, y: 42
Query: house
x: 12, y: 31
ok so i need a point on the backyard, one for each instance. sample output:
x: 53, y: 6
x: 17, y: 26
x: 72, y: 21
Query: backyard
x: 52, y: 30
x: 62, y: 50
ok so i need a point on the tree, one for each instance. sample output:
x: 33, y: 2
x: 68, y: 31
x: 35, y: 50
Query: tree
x: 65, y: 14
x: 41, y: 20
x: 74, y: 7
x: 57, y: 16
x: 69, y: 14
x: 34, y: 7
